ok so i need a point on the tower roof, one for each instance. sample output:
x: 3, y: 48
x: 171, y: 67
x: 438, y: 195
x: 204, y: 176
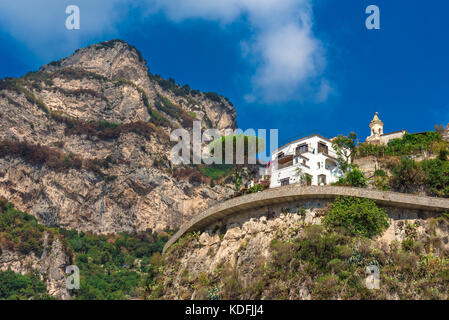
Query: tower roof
x: 376, y: 120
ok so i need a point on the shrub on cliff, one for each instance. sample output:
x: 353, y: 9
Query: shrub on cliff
x: 39, y: 155
x: 407, y: 176
x: 20, y: 231
x: 357, y: 216
x: 409, y: 144
x: 14, y: 286
x: 354, y: 178
x: 437, y: 176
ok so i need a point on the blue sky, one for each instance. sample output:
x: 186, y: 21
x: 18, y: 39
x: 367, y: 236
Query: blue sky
x: 301, y: 66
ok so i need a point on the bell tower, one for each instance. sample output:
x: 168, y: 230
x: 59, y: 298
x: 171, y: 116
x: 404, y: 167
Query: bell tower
x: 377, y: 129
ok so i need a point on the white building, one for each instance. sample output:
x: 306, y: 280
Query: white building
x: 309, y: 161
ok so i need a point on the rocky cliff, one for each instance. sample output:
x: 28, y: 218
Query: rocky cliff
x: 291, y: 255
x: 84, y: 143
x: 50, y: 266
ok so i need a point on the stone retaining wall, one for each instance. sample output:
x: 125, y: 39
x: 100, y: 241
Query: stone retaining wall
x: 292, y: 198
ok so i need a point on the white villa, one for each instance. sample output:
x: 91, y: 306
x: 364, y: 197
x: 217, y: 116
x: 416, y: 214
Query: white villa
x: 310, y: 161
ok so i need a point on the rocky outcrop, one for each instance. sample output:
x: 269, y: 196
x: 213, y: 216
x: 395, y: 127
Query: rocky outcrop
x: 291, y: 198
x: 238, y: 256
x: 102, y: 106
x: 51, y: 266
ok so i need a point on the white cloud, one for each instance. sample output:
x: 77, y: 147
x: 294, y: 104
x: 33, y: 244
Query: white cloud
x: 325, y: 90
x: 287, y: 59
x: 289, y: 56
x: 41, y: 24
x: 286, y: 55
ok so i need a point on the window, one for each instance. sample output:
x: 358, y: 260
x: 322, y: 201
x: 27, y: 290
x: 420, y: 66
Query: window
x: 319, y: 165
x: 322, y: 179
x: 322, y: 148
x: 302, y: 149
x: 285, y: 182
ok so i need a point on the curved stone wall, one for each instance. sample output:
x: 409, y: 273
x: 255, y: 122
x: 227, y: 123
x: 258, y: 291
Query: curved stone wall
x: 289, y: 194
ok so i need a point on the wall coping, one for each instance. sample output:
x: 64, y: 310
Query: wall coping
x: 297, y: 192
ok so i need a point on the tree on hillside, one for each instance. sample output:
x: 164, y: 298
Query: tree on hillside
x: 344, y: 146
x: 244, y: 148
x: 439, y: 128
x: 356, y: 216
x: 353, y: 178
x: 407, y: 176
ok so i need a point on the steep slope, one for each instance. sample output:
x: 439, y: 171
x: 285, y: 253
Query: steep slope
x: 293, y: 255
x: 84, y: 143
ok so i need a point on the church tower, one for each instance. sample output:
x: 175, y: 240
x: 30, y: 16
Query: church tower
x: 377, y: 129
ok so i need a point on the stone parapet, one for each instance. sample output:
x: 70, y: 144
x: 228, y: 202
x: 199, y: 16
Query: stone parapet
x: 288, y: 194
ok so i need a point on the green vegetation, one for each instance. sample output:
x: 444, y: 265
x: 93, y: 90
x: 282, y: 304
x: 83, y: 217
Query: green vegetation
x: 437, y: 176
x: 357, y: 217
x: 40, y: 155
x: 332, y: 266
x: 216, y: 171
x: 184, y: 91
x: 381, y: 180
x: 106, y: 130
x: 254, y: 189
x: 101, y: 129
x: 111, y: 44
x: 407, y: 176
x: 213, y: 96
x: 171, y: 85
x: 345, y: 149
x: 193, y: 115
x: 249, y: 145
x: 14, y: 286
x: 20, y: 232
x: 17, y: 85
x: 111, y: 267
x: 410, y: 144
x: 156, y: 118
x: 318, y: 263
x: 165, y: 105
x: 54, y: 159
x: 353, y: 178
x: 431, y: 176
x: 77, y: 74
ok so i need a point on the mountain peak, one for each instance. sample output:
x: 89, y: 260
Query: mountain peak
x: 114, y: 59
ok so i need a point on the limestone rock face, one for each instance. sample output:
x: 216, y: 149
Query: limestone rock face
x: 113, y: 59
x: 127, y: 182
x: 243, y: 246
